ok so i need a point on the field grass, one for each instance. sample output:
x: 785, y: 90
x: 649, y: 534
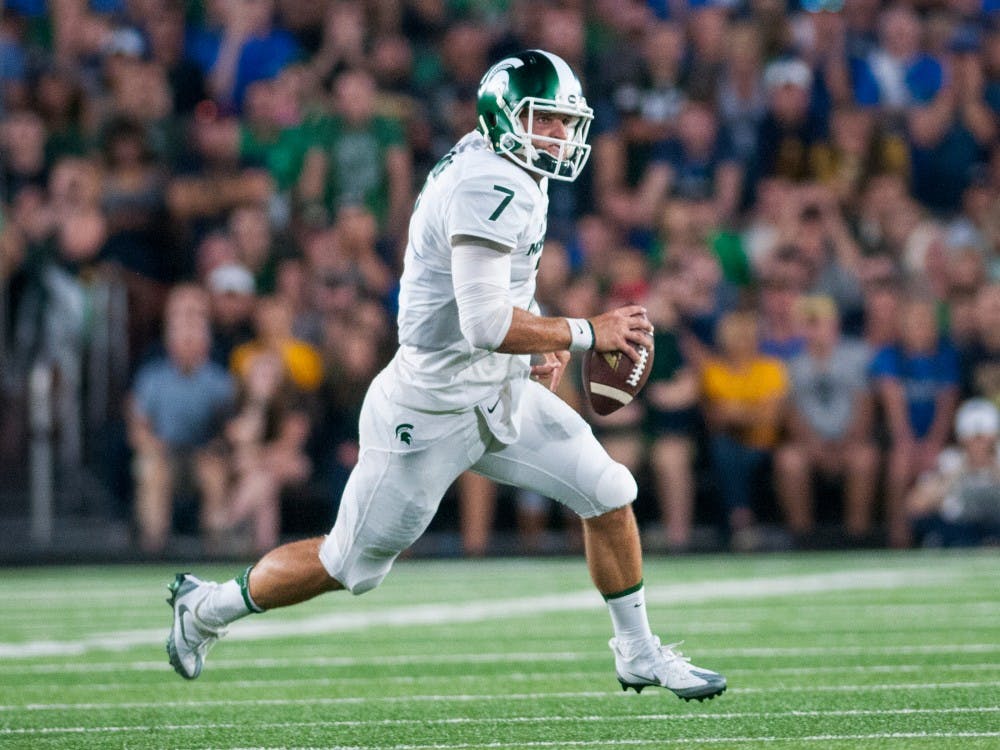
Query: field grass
x: 884, y: 651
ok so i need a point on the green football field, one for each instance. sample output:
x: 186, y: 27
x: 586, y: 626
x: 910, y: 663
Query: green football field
x: 890, y: 650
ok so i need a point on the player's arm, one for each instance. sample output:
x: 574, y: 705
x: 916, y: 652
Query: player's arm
x: 481, y: 279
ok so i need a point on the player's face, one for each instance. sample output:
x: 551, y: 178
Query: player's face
x: 549, y: 125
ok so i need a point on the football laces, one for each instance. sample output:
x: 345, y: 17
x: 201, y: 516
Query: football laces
x: 638, y: 367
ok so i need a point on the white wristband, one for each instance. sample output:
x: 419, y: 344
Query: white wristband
x: 581, y: 334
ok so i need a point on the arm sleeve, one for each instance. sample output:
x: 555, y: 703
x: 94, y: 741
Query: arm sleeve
x: 481, y: 278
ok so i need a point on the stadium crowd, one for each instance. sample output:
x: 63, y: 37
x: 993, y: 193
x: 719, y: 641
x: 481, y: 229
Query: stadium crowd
x: 805, y: 197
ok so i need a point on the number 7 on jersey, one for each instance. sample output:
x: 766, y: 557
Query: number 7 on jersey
x: 509, y: 196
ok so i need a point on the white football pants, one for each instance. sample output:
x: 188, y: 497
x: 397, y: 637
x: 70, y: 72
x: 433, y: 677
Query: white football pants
x: 410, y: 458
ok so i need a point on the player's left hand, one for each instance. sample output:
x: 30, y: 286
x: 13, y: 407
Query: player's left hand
x: 550, y: 371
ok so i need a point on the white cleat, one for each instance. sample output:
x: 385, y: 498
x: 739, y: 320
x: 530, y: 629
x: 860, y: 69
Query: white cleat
x: 648, y: 663
x: 190, y: 638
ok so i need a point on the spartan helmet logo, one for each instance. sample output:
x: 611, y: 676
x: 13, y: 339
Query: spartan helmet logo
x: 403, y: 432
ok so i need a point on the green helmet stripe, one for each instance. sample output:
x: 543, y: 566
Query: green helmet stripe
x: 565, y: 75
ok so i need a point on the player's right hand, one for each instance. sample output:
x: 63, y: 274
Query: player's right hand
x: 621, y: 330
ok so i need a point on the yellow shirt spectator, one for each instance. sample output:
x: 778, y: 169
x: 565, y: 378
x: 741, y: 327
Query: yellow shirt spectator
x: 760, y: 382
x: 303, y: 362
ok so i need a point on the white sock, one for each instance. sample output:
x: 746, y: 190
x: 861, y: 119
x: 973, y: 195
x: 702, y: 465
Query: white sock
x: 628, y: 614
x: 227, y: 602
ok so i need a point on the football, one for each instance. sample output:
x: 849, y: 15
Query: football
x: 612, y: 380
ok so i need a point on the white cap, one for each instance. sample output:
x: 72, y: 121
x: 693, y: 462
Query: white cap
x: 124, y: 41
x: 231, y: 277
x: 792, y: 72
x: 977, y: 416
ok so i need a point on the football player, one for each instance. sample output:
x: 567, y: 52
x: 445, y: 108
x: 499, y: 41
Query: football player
x: 461, y: 393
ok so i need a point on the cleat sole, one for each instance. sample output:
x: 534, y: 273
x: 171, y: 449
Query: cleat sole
x: 688, y: 698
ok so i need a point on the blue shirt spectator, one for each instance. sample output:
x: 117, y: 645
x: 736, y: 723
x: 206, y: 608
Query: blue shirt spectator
x: 923, y: 375
x: 185, y: 409
x: 261, y: 51
x: 897, y: 74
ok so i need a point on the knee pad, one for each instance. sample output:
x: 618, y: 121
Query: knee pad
x: 353, y: 569
x: 616, y: 487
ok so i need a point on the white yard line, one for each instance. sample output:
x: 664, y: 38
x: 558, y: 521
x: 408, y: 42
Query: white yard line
x: 654, y: 743
x: 668, y: 717
x: 525, y: 677
x: 468, y: 697
x: 492, y: 610
x: 327, y: 662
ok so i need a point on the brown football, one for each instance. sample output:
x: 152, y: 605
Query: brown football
x: 612, y: 379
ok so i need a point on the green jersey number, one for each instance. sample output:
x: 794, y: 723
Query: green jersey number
x: 508, y: 197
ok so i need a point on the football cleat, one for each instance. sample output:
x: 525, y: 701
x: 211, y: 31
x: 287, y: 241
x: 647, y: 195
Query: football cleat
x: 648, y: 663
x: 190, y: 638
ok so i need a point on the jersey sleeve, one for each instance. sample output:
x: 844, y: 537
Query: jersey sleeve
x: 491, y: 210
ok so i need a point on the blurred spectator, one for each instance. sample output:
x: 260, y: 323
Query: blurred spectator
x: 359, y: 156
x: 361, y: 257
x: 164, y: 30
x: 882, y: 303
x: 232, y: 293
x: 215, y: 180
x: 951, y: 132
x: 464, y: 57
x: 353, y: 353
x: 59, y: 99
x: 820, y: 37
x: 700, y: 297
x: 477, y: 501
x: 917, y: 381
x: 830, y: 427
x: 980, y: 363
x: 273, y: 128
x: 647, y: 96
x: 860, y: 148
x: 257, y: 247
x: 22, y: 145
x: 695, y: 165
x: 782, y: 283
x: 134, y: 201
x: 342, y: 39
x: 273, y: 325
x: 13, y: 59
x: 248, y: 47
x: 708, y: 32
x: 792, y: 141
x: 977, y: 225
x: 896, y: 74
x: 267, y: 437
x: 957, y: 502
x: 177, y: 408
x: 742, y: 100
x: 672, y: 420
x: 743, y: 398
x: 830, y: 253
x: 141, y: 93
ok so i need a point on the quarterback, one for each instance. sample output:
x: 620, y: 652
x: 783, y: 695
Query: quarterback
x: 461, y: 392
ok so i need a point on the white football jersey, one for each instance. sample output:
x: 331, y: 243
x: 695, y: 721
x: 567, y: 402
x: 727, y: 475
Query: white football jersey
x: 473, y: 196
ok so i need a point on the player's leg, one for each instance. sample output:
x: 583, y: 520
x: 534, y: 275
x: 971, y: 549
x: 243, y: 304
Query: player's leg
x: 558, y: 456
x: 389, y: 500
